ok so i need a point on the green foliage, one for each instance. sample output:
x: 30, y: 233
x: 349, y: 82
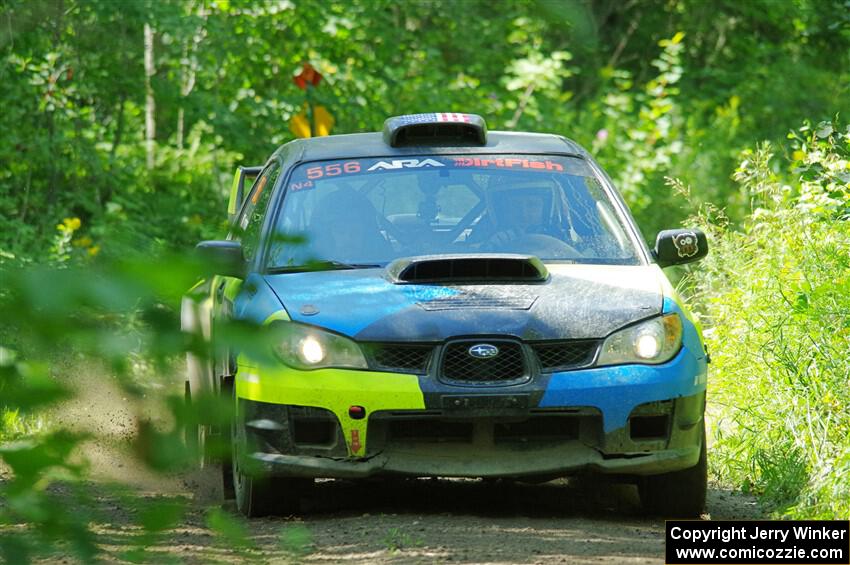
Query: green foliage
x: 296, y: 540
x: 776, y: 295
x: 36, y: 463
x: 231, y: 530
x: 397, y: 539
x: 156, y: 517
x: 122, y: 314
x: 646, y: 125
x: 656, y: 89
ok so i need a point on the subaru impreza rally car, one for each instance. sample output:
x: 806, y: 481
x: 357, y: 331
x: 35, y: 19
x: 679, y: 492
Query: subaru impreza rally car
x: 448, y: 301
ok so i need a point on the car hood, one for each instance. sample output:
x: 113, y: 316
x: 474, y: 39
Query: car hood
x: 576, y: 302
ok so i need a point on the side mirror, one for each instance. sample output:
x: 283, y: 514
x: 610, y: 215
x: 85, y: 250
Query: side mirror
x: 223, y: 258
x: 677, y: 247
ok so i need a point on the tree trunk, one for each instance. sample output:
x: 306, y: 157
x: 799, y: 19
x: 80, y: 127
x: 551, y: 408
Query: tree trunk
x: 150, y: 104
x: 180, y: 120
x: 189, y: 70
x: 106, y: 195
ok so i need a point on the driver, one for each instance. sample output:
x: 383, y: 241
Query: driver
x: 528, y: 209
x: 344, y: 227
x: 521, y: 211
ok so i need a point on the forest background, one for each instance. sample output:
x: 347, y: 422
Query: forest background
x: 122, y: 122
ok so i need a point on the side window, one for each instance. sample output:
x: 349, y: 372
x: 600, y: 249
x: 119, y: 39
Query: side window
x: 251, y: 219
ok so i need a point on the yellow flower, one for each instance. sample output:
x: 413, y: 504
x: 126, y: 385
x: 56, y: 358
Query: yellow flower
x: 94, y: 250
x: 72, y: 224
x: 84, y: 241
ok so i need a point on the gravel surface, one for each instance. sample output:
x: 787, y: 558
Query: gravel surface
x: 427, y: 521
x: 381, y: 521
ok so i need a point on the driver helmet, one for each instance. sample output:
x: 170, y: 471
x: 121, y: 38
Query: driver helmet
x: 528, y: 207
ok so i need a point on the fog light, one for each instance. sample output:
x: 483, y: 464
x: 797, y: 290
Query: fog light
x: 312, y: 351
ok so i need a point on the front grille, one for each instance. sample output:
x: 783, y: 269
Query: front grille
x: 457, y: 365
x: 461, y: 367
x: 540, y: 427
x: 565, y: 355
x: 399, y: 357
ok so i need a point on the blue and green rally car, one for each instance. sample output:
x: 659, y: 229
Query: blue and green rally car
x: 448, y: 301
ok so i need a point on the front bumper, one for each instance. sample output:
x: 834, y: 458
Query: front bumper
x: 497, y: 462
x: 635, y: 419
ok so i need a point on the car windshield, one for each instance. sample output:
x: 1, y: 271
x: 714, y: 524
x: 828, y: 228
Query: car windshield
x: 368, y: 212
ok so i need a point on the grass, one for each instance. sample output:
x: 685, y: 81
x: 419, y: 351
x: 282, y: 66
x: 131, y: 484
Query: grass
x: 397, y: 539
x: 775, y: 293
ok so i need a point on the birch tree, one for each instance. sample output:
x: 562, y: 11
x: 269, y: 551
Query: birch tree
x: 150, y: 103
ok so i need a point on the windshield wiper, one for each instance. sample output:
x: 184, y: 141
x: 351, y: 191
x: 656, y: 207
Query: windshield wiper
x: 321, y: 266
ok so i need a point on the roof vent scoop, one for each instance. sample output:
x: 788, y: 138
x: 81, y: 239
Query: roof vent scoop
x: 482, y: 269
x: 446, y: 128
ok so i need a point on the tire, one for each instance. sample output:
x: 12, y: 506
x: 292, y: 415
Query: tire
x: 210, y: 448
x: 256, y: 492
x: 195, y: 435
x: 227, y: 454
x: 680, y: 494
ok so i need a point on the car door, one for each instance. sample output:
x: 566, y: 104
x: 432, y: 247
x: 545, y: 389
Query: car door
x: 247, y: 229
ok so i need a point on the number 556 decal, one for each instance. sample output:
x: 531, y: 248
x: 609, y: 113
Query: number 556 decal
x: 333, y: 169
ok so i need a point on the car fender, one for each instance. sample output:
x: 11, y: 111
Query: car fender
x: 196, y: 320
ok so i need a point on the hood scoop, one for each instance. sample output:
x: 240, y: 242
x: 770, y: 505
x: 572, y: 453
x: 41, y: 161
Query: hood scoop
x: 495, y: 268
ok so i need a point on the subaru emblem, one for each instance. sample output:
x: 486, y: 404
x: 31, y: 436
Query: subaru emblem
x: 483, y: 351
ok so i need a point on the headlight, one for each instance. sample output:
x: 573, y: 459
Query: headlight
x: 654, y: 341
x: 305, y: 347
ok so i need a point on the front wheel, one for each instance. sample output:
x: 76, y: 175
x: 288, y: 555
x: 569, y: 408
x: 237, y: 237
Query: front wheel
x: 194, y: 433
x: 258, y: 493
x: 680, y: 494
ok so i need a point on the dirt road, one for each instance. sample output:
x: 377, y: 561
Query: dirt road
x: 428, y: 521
x: 403, y: 521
